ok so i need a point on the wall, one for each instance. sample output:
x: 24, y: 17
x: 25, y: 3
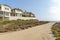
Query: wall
x: 3, y: 8
x: 24, y: 18
x: 16, y: 11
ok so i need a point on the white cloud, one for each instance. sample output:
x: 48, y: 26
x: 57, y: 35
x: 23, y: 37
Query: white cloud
x: 55, y: 9
x: 54, y: 0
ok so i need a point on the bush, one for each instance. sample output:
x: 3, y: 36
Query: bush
x: 56, y: 30
x: 58, y: 39
x: 4, y: 22
x: 15, y: 25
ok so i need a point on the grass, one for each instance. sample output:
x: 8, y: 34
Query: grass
x: 4, y: 22
x: 58, y: 39
x: 14, y: 25
x: 56, y: 30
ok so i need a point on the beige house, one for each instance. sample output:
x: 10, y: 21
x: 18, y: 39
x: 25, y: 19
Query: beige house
x: 28, y: 14
x: 7, y: 13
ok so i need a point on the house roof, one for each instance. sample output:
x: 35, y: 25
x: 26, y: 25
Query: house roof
x: 5, y: 5
x: 17, y: 9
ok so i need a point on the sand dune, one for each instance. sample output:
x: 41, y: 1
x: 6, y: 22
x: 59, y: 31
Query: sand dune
x: 42, y: 32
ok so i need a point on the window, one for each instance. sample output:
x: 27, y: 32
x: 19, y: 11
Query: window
x: 17, y: 14
x: 1, y: 14
x: 6, y: 8
x: 12, y: 14
x: 6, y: 13
x: 0, y: 7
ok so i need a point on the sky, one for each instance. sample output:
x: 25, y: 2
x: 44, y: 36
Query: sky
x: 47, y: 10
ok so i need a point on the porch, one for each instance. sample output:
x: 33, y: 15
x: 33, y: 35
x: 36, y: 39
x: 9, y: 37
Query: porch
x: 4, y: 16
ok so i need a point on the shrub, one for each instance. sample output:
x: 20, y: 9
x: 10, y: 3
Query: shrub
x: 15, y: 25
x: 58, y: 39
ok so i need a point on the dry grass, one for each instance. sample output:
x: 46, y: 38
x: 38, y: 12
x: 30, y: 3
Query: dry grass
x: 14, y: 25
x: 56, y: 30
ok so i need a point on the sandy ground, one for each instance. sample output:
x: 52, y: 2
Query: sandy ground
x: 42, y: 32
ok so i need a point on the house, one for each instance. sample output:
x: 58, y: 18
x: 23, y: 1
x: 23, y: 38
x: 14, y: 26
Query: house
x: 16, y: 12
x: 28, y: 14
x: 7, y: 13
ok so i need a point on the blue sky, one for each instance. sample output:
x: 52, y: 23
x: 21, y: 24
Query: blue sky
x: 43, y: 9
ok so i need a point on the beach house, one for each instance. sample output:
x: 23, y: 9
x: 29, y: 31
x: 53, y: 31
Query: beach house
x: 8, y: 13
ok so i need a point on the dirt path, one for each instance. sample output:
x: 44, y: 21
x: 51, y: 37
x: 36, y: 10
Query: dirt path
x: 42, y: 32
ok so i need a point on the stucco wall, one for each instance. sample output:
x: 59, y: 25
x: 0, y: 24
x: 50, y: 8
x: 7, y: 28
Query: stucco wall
x: 3, y: 8
x: 16, y: 11
x: 24, y: 18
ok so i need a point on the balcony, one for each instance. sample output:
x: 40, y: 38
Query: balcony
x: 6, y: 14
x: 0, y: 7
x: 1, y: 13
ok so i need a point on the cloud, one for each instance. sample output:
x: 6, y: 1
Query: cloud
x: 53, y: 0
x: 55, y: 9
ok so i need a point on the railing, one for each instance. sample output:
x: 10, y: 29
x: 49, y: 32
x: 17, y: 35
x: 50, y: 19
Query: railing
x: 1, y: 14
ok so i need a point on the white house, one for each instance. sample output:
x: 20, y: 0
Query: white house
x: 7, y: 13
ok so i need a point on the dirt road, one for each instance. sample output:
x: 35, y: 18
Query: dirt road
x: 42, y: 32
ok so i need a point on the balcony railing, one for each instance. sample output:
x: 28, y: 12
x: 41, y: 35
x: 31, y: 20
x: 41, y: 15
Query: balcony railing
x: 1, y: 14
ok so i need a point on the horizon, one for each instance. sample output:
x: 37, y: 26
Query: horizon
x: 47, y: 10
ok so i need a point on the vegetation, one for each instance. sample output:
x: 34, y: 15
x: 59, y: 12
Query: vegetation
x: 15, y: 25
x: 56, y: 30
